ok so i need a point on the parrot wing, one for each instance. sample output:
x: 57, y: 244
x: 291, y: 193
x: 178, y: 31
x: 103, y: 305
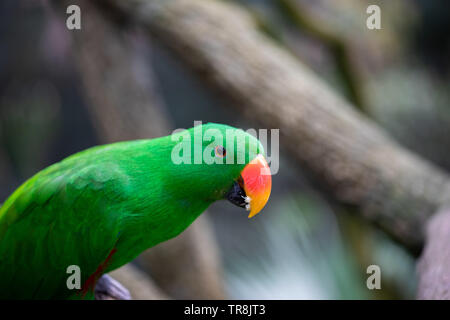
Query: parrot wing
x: 68, y: 214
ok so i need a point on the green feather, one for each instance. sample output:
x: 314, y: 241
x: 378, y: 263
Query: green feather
x: 126, y: 196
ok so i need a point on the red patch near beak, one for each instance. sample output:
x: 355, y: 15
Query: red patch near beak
x: 257, y: 184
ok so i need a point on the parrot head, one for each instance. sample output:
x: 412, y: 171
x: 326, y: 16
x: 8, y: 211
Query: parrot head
x: 221, y: 162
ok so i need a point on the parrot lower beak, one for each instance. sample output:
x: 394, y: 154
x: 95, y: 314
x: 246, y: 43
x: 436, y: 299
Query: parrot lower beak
x: 252, y: 191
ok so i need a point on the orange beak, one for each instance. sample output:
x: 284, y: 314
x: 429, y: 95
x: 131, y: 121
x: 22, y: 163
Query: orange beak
x: 257, y: 184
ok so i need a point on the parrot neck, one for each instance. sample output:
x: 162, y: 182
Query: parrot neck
x: 146, y: 229
x: 159, y: 204
x: 158, y: 209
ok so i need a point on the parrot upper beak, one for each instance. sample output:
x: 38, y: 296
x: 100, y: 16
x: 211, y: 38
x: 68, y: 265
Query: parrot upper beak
x: 252, y: 191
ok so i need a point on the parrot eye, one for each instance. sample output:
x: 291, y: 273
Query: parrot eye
x: 220, y: 151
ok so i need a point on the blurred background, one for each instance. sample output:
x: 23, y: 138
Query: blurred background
x: 60, y: 94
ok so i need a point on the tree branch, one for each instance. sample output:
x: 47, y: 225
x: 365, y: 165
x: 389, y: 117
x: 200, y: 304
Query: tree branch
x: 434, y: 265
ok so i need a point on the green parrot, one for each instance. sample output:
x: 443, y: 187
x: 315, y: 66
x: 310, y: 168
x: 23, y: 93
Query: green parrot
x: 100, y: 208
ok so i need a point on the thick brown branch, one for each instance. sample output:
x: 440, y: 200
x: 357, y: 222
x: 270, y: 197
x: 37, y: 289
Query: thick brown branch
x: 434, y: 265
